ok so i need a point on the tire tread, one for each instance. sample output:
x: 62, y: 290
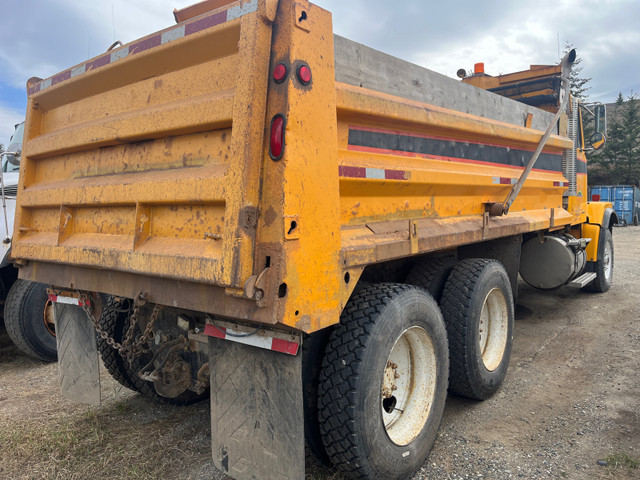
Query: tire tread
x: 340, y: 371
x: 431, y: 274
x: 14, y: 313
x: 456, y: 300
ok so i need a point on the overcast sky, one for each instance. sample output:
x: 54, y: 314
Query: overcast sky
x: 43, y: 37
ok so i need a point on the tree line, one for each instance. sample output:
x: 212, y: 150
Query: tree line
x: 619, y: 161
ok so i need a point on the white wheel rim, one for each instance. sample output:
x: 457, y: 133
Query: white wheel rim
x: 408, y: 385
x: 606, y: 260
x: 493, y: 329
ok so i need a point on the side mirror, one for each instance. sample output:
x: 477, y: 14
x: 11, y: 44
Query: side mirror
x: 597, y: 140
x: 600, y: 112
x: 13, y: 157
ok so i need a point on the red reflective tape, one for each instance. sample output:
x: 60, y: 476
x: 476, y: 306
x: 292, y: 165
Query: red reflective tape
x: 352, y: 172
x: 264, y: 342
x: 99, y: 62
x: 145, y: 44
x: 204, y: 23
x: 216, y: 332
x: 68, y: 300
x: 61, y: 77
x: 140, y: 46
x: 505, y: 181
x: 396, y: 175
x: 285, y: 346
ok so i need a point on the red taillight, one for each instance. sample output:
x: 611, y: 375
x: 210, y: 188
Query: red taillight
x: 304, y: 74
x: 276, y: 144
x: 280, y: 73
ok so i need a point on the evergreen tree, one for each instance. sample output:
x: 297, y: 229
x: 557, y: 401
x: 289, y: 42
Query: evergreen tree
x: 619, y: 162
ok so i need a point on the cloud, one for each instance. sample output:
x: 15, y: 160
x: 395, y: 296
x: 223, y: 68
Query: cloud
x: 443, y: 36
x: 506, y: 36
x: 63, y: 33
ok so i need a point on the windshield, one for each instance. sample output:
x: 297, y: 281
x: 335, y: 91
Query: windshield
x: 15, y: 145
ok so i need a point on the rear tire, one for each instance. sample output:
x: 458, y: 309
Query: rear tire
x: 383, y: 383
x: 115, y: 321
x: 431, y: 274
x: 477, y: 305
x: 29, y: 320
x: 603, y: 267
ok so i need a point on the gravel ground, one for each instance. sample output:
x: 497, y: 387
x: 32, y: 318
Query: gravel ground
x: 569, y: 408
x: 572, y: 394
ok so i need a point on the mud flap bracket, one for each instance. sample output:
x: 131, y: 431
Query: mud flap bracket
x: 77, y: 355
x: 257, y: 427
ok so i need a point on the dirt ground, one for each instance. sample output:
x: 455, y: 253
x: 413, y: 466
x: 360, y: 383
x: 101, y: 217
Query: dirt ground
x: 569, y: 408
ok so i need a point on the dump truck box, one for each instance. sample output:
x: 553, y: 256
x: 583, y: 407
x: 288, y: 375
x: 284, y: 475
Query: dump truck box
x: 149, y: 165
x: 246, y: 180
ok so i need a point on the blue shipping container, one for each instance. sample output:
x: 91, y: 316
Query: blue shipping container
x: 625, y: 199
x: 601, y: 193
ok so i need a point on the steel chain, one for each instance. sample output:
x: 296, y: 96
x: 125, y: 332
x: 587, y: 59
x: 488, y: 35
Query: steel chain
x: 129, y: 348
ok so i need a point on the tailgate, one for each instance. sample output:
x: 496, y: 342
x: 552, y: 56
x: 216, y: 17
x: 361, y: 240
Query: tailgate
x: 147, y: 158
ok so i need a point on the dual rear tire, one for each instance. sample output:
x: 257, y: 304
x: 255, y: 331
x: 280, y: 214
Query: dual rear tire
x: 477, y: 304
x: 382, y: 386
x: 383, y: 382
x: 476, y: 300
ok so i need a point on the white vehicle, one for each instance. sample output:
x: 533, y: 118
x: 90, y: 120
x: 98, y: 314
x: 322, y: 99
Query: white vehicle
x: 27, y: 312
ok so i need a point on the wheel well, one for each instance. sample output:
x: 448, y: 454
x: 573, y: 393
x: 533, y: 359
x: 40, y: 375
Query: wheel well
x: 394, y: 271
x: 8, y: 276
x: 506, y: 250
x: 609, y: 219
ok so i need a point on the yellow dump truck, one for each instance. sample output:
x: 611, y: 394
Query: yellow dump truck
x: 324, y: 237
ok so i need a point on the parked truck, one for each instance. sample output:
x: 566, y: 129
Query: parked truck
x: 322, y: 238
x: 26, y: 310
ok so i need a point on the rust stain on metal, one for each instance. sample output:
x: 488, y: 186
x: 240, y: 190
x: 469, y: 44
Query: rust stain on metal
x: 269, y: 216
x: 248, y: 219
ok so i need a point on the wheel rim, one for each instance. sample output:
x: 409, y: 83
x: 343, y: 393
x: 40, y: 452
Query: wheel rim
x: 606, y: 261
x: 408, y: 385
x: 49, y: 318
x: 493, y: 329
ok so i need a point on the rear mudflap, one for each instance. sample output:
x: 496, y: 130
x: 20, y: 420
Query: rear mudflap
x: 257, y: 427
x: 77, y: 354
